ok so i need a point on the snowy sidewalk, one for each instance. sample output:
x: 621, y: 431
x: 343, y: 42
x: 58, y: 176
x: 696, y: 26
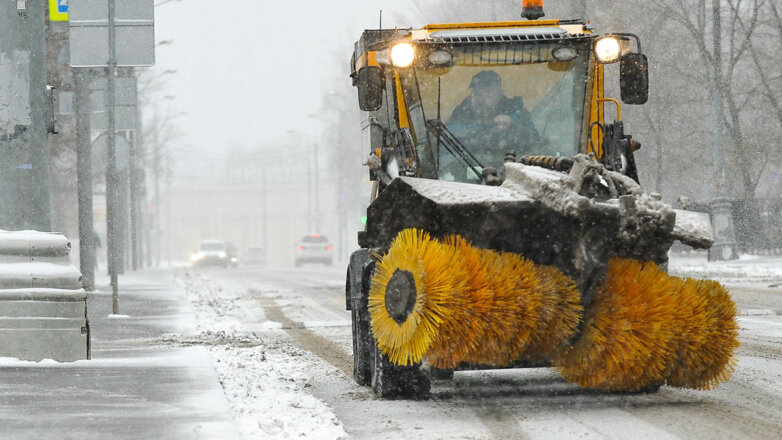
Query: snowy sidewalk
x: 135, y: 386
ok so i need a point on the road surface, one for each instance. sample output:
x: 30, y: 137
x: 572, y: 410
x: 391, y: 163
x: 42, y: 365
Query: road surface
x: 304, y: 309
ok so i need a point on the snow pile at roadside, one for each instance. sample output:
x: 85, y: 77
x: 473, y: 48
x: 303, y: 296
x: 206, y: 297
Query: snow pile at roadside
x: 265, y: 378
x: 746, y: 268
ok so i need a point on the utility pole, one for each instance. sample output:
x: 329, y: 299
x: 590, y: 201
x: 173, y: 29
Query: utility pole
x: 724, y: 247
x: 719, y: 153
x: 315, y: 219
x: 264, y: 213
x: 316, y: 185
x: 156, y: 184
x: 87, y: 243
x: 24, y: 146
x: 309, y: 194
x: 133, y: 177
x: 111, y: 165
x: 169, y: 217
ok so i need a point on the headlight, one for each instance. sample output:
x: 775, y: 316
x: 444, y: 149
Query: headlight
x: 564, y: 54
x: 198, y: 256
x: 222, y: 254
x: 440, y: 57
x: 402, y: 55
x: 608, y: 49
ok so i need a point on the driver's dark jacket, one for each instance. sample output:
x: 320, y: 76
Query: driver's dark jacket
x: 481, y: 135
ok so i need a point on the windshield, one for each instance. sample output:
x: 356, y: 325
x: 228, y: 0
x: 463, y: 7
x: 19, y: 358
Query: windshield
x: 212, y: 246
x: 494, y: 99
x: 314, y: 239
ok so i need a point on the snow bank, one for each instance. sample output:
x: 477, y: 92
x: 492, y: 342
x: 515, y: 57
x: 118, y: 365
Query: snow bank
x: 747, y: 268
x: 264, y: 376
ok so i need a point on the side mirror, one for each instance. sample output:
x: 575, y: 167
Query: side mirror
x: 634, y: 78
x: 370, y: 88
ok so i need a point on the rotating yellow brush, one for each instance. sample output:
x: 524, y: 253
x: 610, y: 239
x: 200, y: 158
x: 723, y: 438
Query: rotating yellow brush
x: 412, y: 293
x: 560, y: 314
x: 453, y: 302
x: 705, y: 349
x: 628, y: 332
x: 474, y: 306
x: 513, y: 305
x: 645, y: 328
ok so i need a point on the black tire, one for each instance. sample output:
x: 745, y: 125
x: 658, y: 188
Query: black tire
x: 362, y: 372
x: 651, y: 389
x: 362, y: 339
x: 393, y: 381
x: 441, y: 374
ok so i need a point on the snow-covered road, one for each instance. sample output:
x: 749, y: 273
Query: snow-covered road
x: 281, y: 343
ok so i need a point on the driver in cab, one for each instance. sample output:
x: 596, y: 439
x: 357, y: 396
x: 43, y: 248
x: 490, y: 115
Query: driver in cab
x: 489, y: 122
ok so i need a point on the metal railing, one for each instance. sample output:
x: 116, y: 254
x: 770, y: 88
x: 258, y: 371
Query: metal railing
x: 757, y: 224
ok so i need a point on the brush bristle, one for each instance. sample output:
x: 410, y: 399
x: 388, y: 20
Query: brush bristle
x: 646, y: 328
x: 643, y: 328
x: 473, y: 305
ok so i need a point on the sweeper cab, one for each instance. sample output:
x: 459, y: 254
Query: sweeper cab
x: 495, y: 136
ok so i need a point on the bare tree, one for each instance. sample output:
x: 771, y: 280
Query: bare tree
x: 766, y: 60
x: 740, y: 83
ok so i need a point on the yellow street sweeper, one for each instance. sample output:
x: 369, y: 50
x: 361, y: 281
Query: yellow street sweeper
x: 507, y: 226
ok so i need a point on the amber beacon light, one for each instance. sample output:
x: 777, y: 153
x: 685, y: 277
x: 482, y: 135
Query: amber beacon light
x: 532, y: 9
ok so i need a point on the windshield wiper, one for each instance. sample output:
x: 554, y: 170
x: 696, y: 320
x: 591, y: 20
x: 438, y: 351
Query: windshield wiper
x: 454, y: 146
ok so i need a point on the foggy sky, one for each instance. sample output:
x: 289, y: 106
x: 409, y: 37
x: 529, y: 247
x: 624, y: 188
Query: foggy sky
x: 248, y: 71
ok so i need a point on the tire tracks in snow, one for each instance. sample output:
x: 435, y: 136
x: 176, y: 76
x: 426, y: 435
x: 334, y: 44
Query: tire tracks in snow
x: 499, y: 423
x: 305, y: 339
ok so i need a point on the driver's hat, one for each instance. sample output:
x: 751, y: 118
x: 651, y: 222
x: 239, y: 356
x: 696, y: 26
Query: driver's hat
x: 486, y: 78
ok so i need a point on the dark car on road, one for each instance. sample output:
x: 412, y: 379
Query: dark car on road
x: 214, y: 253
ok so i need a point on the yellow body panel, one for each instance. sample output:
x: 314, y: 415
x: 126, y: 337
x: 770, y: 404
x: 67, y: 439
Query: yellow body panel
x: 404, y: 120
x: 597, y: 113
x: 492, y: 25
x: 366, y: 59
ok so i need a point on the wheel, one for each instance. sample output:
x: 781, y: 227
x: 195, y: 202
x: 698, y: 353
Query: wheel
x: 297, y: 263
x: 359, y: 318
x: 362, y: 372
x: 389, y: 380
x: 441, y: 374
x: 650, y: 389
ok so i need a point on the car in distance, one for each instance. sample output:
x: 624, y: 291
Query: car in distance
x: 214, y: 253
x: 255, y: 254
x: 314, y: 248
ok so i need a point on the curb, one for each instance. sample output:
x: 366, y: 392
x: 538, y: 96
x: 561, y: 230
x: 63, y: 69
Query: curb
x: 757, y: 312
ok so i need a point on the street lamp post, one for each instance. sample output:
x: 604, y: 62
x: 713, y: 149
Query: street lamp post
x: 87, y: 242
x: 111, y: 170
x: 296, y: 135
x: 156, y: 146
x: 724, y: 247
x: 315, y: 172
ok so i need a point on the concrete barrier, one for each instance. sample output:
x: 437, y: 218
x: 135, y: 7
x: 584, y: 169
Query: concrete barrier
x: 43, y: 307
